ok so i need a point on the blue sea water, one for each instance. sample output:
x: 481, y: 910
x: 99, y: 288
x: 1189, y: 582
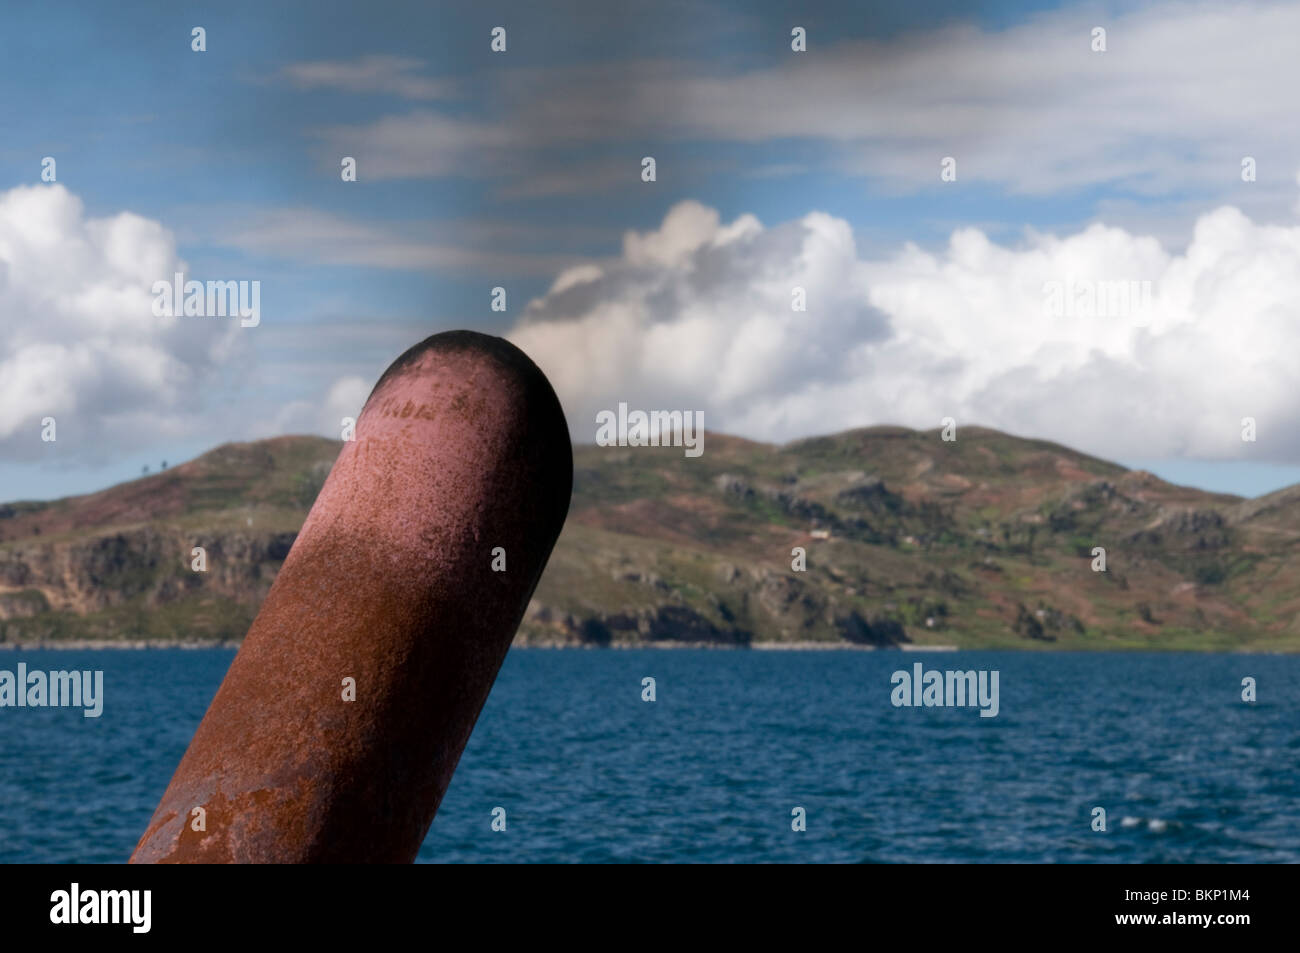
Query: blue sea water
x: 711, y: 770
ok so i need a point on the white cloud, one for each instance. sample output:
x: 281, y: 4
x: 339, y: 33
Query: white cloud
x: 697, y: 315
x: 1183, y: 92
x: 345, y: 398
x: 323, y: 238
x: 421, y: 144
x: 81, y: 343
x: 394, y: 75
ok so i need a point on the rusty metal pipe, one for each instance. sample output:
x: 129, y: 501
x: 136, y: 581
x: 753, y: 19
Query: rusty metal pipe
x: 461, y: 448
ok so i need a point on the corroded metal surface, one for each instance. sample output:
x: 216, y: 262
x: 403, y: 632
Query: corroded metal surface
x: 461, y: 448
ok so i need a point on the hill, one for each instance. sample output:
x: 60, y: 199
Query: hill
x: 982, y: 542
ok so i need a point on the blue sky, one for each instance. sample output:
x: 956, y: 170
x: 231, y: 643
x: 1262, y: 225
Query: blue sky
x: 479, y: 169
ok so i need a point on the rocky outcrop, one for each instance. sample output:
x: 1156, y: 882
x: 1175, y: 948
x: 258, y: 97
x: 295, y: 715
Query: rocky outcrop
x: 879, y: 631
x: 145, y: 565
x: 660, y: 624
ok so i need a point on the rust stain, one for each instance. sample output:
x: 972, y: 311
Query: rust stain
x: 461, y: 447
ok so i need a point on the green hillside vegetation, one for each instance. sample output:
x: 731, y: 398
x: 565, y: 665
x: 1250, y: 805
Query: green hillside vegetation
x: 985, y: 542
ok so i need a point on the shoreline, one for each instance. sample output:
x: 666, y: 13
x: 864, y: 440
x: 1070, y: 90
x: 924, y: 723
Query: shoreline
x: 136, y: 645
x: 94, y: 645
x: 145, y: 644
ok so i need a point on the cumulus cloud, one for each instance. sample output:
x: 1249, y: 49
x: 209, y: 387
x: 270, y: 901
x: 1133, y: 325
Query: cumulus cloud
x: 81, y: 342
x: 344, y: 398
x: 1102, y: 339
